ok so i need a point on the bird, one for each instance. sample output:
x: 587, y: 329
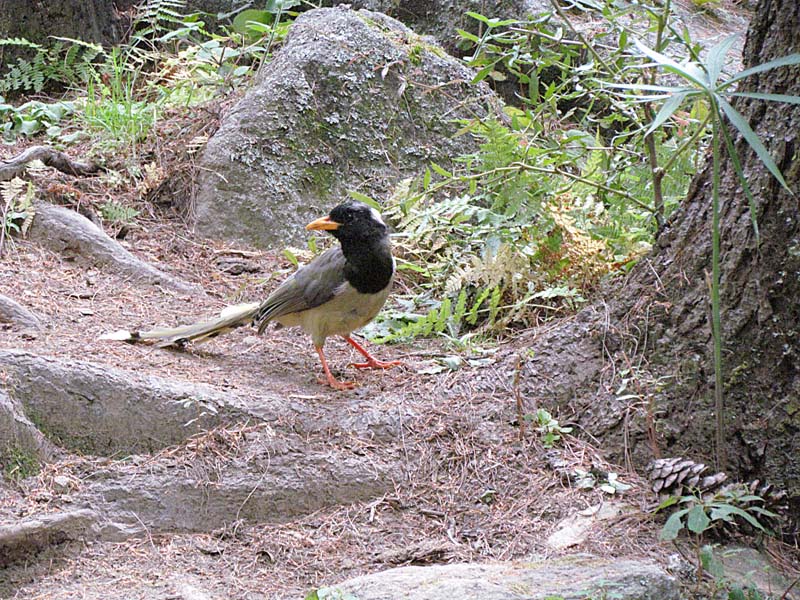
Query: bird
x: 339, y: 291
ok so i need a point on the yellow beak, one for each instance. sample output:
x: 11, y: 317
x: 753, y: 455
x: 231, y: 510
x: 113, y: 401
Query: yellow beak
x: 324, y: 223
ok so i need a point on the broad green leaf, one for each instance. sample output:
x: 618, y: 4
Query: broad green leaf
x: 749, y: 518
x: 242, y: 21
x: 755, y: 143
x: 29, y: 126
x: 666, y: 111
x: 697, y: 520
x: 748, y: 498
x: 724, y: 510
x: 773, y: 97
x: 783, y: 61
x: 716, y: 58
x: 673, y: 525
x: 737, y: 167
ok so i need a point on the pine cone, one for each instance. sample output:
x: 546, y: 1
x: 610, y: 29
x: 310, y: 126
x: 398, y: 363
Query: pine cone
x: 776, y: 501
x: 680, y: 476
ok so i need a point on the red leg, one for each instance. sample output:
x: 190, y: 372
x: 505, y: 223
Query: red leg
x: 331, y: 380
x: 372, y: 362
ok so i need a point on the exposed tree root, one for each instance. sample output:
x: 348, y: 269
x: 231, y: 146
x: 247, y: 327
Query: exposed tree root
x: 49, y: 156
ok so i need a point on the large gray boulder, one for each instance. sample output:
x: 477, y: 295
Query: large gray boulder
x: 442, y: 18
x: 566, y: 578
x: 353, y: 101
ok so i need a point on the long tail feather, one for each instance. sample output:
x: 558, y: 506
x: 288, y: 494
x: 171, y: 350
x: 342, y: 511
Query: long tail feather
x: 230, y: 318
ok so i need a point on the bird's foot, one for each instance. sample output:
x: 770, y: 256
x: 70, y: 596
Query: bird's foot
x: 342, y: 386
x: 374, y: 363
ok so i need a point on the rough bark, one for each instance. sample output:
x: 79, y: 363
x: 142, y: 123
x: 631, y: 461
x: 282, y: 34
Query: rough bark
x: 67, y: 232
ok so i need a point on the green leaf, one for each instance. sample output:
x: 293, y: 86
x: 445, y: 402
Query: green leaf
x: 276, y: 6
x: 242, y: 21
x: 673, y: 525
x: 716, y: 58
x: 364, y: 198
x: 688, y: 71
x: 762, y: 511
x: 772, y: 97
x: 484, y: 72
x: 468, y: 36
x: 724, y: 510
x: 666, y: 111
x: 697, y: 520
x: 441, y: 171
x: 755, y: 143
x: 783, y: 61
x: 737, y: 167
x: 477, y: 16
x: 644, y: 87
x: 710, y: 562
x: 291, y: 257
x: 671, y: 501
x: 29, y: 126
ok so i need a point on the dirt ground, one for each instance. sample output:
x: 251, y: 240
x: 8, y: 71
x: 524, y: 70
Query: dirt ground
x: 470, y: 489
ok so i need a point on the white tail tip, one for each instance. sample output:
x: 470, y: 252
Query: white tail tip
x: 117, y: 336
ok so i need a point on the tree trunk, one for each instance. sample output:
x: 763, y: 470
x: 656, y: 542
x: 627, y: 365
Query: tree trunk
x: 637, y: 369
x: 760, y: 283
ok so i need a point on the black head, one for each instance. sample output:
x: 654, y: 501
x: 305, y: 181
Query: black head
x: 352, y: 221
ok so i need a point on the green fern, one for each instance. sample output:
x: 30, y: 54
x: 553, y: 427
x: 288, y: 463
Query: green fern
x: 18, y: 211
x: 66, y: 62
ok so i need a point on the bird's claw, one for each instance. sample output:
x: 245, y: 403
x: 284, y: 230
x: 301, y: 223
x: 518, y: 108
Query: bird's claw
x: 342, y: 386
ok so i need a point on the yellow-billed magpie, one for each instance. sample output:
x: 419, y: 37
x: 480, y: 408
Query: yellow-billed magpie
x: 338, y: 292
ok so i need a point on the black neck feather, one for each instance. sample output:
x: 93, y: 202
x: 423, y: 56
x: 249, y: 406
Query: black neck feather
x: 368, y: 264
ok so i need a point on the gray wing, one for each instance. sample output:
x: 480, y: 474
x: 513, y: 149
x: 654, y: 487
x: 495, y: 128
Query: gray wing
x: 309, y: 287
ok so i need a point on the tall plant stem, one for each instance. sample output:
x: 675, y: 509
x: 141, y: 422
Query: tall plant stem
x: 656, y: 172
x: 716, y: 328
